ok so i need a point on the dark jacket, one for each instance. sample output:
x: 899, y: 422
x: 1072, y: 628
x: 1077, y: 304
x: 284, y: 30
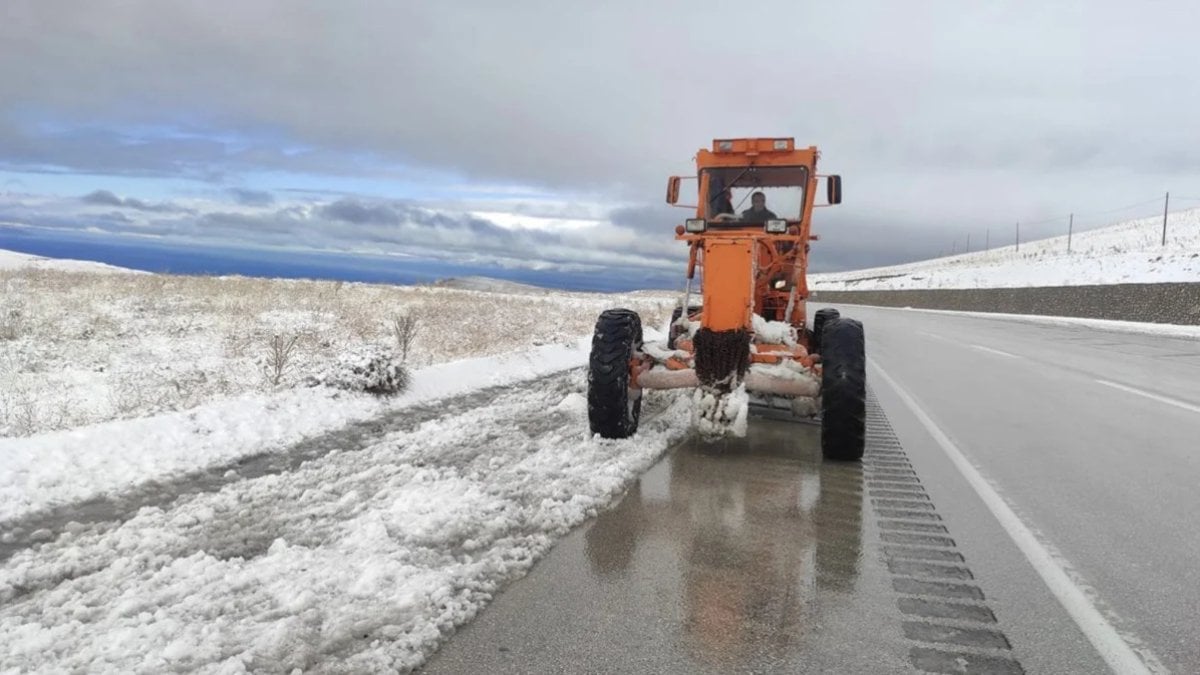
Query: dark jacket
x: 752, y: 216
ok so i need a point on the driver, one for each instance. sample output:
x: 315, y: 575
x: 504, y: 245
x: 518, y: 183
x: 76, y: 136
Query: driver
x: 758, y: 211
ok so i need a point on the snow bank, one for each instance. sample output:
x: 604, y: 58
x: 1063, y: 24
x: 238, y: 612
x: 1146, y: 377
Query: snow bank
x: 59, y: 467
x: 1164, y: 329
x: 360, y: 561
x: 1129, y: 252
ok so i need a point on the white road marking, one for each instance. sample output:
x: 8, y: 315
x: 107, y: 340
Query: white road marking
x: 1121, y: 657
x: 1156, y: 397
x: 943, y: 338
x: 993, y: 351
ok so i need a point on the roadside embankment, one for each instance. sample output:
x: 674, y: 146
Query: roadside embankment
x: 1177, y: 303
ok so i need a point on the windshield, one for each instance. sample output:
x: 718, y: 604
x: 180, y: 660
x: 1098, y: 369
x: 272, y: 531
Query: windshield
x: 755, y: 194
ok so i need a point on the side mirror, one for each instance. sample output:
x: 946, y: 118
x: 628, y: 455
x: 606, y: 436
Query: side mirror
x: 673, y: 189
x: 833, y: 189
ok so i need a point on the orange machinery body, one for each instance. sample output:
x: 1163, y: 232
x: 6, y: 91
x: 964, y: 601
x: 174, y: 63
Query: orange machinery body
x: 740, y: 263
x: 745, y: 271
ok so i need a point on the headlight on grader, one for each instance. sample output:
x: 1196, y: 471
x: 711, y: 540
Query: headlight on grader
x: 776, y: 226
x: 694, y: 225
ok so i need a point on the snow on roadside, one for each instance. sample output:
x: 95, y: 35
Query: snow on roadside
x: 1126, y: 253
x: 59, y: 467
x: 79, y: 349
x: 359, y: 561
x: 1163, y: 329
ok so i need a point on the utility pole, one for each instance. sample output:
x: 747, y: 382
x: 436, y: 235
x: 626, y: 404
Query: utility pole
x: 1018, y: 236
x: 987, y: 239
x: 1070, y: 228
x: 968, y: 242
x: 1166, y: 203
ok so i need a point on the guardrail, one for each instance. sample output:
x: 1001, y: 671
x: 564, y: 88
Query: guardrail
x: 1177, y: 303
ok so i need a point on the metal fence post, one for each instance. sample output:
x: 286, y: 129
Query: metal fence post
x: 1166, y: 203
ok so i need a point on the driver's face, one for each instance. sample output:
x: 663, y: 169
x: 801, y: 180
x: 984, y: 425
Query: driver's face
x: 758, y: 202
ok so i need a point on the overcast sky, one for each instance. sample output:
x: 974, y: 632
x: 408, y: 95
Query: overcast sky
x: 541, y: 133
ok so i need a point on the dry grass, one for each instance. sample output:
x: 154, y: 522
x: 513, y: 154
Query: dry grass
x: 79, y: 347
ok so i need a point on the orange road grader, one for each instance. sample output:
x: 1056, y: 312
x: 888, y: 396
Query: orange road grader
x: 740, y: 335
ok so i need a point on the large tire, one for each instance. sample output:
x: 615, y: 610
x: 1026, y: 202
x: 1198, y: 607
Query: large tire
x: 819, y: 320
x: 613, y: 408
x: 843, y: 390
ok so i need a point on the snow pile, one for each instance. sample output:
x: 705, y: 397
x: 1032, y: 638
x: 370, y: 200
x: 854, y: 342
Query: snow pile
x: 1129, y: 252
x: 61, y: 467
x: 786, y: 369
x: 374, y: 371
x: 360, y: 561
x: 718, y: 414
x: 773, y: 332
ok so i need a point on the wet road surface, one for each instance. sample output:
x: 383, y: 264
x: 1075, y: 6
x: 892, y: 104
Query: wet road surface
x: 751, y: 555
x: 759, y: 558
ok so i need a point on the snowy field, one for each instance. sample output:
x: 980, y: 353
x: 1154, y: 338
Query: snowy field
x: 1128, y: 252
x: 110, y: 379
x: 78, y: 348
x: 364, y: 530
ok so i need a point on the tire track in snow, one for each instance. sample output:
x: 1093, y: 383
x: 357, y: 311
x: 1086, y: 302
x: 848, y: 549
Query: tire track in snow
x: 45, y: 525
x: 356, y: 561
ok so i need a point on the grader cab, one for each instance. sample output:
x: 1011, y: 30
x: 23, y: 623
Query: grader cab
x: 740, y: 334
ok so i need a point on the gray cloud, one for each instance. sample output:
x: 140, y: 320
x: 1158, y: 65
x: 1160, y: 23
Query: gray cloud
x: 971, y: 113
x: 363, y: 226
x: 108, y: 198
x: 247, y: 197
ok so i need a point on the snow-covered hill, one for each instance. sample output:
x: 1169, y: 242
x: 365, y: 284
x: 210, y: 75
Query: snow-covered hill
x: 1128, y: 252
x: 11, y: 260
x: 476, y: 283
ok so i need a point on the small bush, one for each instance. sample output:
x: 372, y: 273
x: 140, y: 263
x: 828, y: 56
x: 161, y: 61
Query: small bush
x: 12, y: 324
x: 373, y: 371
x: 405, y: 328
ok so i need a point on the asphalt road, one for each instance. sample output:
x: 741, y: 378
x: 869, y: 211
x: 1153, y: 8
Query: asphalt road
x: 1089, y: 435
x: 1025, y: 506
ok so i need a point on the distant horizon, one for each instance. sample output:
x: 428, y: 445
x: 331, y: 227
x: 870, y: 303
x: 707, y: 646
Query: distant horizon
x: 185, y: 258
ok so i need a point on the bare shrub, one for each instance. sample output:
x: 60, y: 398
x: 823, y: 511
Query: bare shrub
x: 278, y: 358
x: 405, y: 328
x: 12, y: 324
x: 20, y: 413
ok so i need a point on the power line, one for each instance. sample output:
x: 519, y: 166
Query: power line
x: 1121, y: 208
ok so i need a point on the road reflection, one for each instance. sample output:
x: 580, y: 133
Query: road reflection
x: 750, y: 533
